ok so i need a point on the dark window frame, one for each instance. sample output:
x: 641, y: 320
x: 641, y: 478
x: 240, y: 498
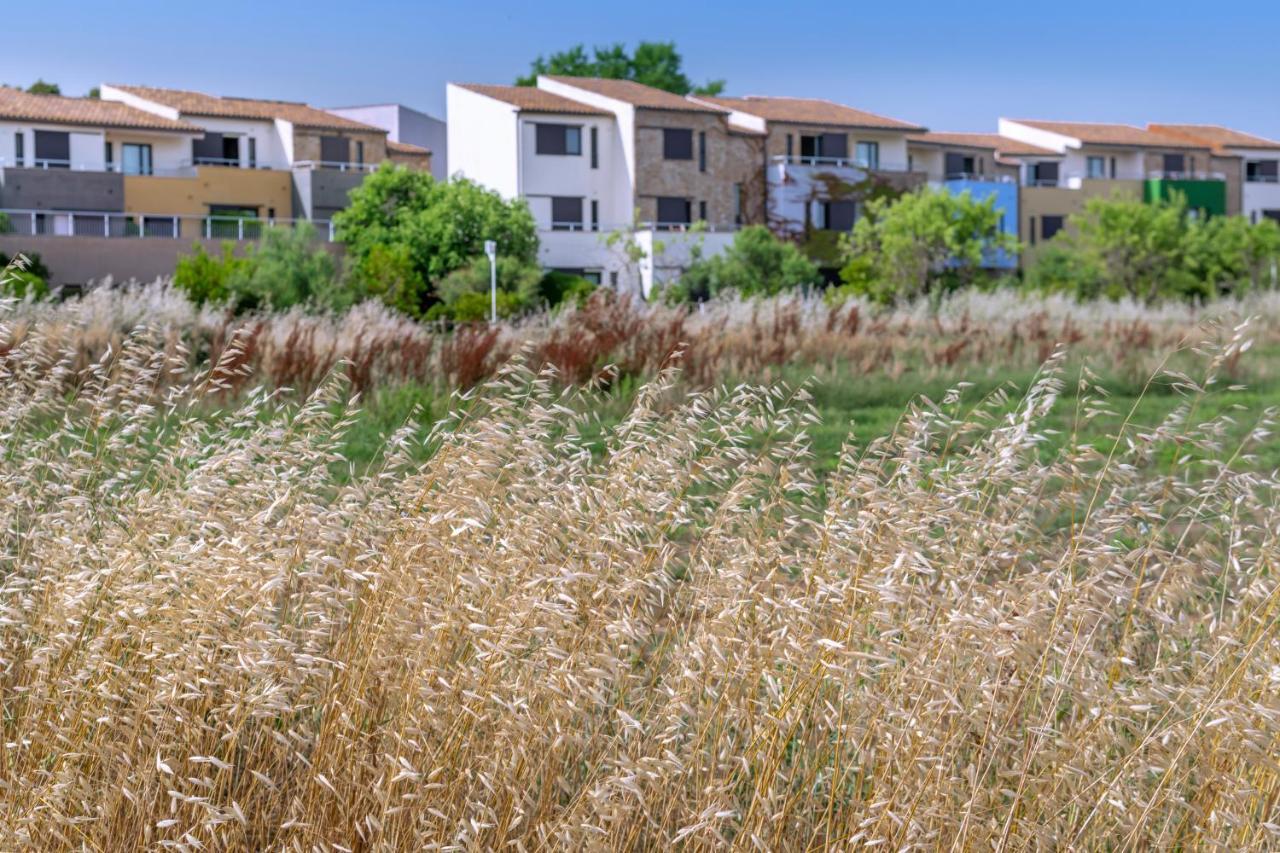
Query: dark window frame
x: 677, y: 143
x: 1050, y: 226
x: 702, y: 151
x: 19, y: 148
x: 595, y: 214
x: 666, y: 219
x: 552, y: 139
x: 146, y: 162
x: 60, y: 140
x: 566, y: 213
x: 595, y: 147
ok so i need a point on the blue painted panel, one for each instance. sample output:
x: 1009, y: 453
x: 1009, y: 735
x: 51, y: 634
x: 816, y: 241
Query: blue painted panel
x: 1006, y: 195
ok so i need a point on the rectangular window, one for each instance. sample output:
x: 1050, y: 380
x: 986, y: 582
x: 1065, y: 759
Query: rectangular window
x: 207, y: 151
x: 790, y: 148
x: 1095, y: 167
x: 1255, y: 171
x: 135, y: 159
x: 1043, y: 174
x: 868, y: 155
x: 558, y: 139
x: 1031, y: 230
x: 673, y: 212
x: 677, y: 143
x: 595, y: 215
x: 737, y: 204
x: 360, y: 152
x: 1273, y: 215
x: 106, y: 156
x: 53, y: 149
x: 702, y: 211
x: 1113, y: 168
x: 1050, y: 225
x: 838, y: 215
x: 253, y: 152
x: 1174, y: 164
x: 835, y: 146
x: 19, y: 143
x: 334, y: 149
x: 702, y: 151
x: 595, y: 148
x: 566, y: 213
x: 959, y: 165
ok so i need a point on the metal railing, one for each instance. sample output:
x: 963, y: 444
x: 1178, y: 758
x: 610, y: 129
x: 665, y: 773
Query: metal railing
x: 84, y: 223
x: 1157, y: 175
x: 336, y: 165
x: 840, y: 163
x: 979, y: 176
x: 1262, y: 179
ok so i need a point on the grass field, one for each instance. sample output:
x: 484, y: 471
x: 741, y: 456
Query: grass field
x: 671, y: 609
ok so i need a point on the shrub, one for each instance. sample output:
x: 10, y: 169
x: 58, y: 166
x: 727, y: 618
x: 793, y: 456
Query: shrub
x: 559, y: 287
x: 921, y: 243
x: 518, y: 289
x: 431, y: 227
x: 287, y: 267
x: 205, y: 278
x: 387, y: 273
x: 756, y: 263
x: 23, y: 276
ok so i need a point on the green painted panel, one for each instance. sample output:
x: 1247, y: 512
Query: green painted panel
x: 1208, y: 196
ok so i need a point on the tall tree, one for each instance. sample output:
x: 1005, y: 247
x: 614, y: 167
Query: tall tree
x: 40, y: 87
x: 656, y: 64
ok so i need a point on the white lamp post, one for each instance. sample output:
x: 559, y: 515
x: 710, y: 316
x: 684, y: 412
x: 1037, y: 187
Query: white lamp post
x: 491, y: 249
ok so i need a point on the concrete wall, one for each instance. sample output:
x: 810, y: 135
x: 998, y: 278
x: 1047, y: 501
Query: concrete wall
x: 404, y: 124
x: 545, y: 175
x: 1035, y: 202
x: 320, y: 193
x: 484, y: 141
x: 61, y: 189
x: 265, y: 189
x: 87, y: 260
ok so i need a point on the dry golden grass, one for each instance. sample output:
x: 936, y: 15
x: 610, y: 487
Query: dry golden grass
x: 209, y: 641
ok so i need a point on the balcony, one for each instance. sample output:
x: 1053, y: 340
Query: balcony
x: 978, y: 177
x: 1155, y: 175
x: 86, y: 223
x: 336, y: 166
x: 865, y: 165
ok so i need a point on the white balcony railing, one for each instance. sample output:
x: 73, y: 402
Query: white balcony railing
x: 979, y: 177
x: 87, y: 223
x: 1156, y: 175
x: 1262, y: 179
x: 336, y: 165
x: 840, y: 163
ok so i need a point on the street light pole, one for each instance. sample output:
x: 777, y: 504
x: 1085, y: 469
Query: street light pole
x: 491, y: 249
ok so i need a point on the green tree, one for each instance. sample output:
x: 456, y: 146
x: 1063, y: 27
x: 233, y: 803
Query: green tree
x: 289, y: 267
x: 40, y: 87
x: 756, y: 264
x: 94, y: 94
x: 432, y: 227
x: 464, y: 293
x: 205, y: 278
x: 922, y: 242
x: 656, y: 64
x: 1140, y: 247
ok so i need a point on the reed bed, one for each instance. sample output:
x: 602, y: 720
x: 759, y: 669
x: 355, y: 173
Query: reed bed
x: 210, y: 641
x: 718, y: 341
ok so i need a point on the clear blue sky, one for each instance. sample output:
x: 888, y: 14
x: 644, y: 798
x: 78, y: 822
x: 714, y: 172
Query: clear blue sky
x: 948, y: 66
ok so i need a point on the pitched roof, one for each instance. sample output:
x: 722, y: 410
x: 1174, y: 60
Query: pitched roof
x: 55, y: 109
x: 1002, y: 145
x: 1096, y: 133
x: 189, y: 103
x: 637, y: 94
x: 1214, y: 135
x: 406, y: 148
x: 531, y: 100
x: 810, y: 111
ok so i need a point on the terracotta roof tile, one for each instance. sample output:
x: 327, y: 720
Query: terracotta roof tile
x: 1002, y: 145
x: 189, y: 103
x: 1095, y: 133
x: 637, y: 94
x: 91, y: 112
x: 531, y: 100
x: 810, y: 111
x: 406, y: 148
x: 1220, y: 138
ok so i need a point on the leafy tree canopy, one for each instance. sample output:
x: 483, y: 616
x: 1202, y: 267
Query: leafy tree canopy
x: 756, y: 264
x: 40, y: 87
x: 921, y: 243
x: 405, y: 233
x: 656, y: 64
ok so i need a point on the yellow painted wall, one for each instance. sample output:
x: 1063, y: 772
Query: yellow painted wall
x: 191, y: 196
x: 1034, y: 202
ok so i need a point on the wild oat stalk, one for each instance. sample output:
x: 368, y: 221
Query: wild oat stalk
x: 208, y: 641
